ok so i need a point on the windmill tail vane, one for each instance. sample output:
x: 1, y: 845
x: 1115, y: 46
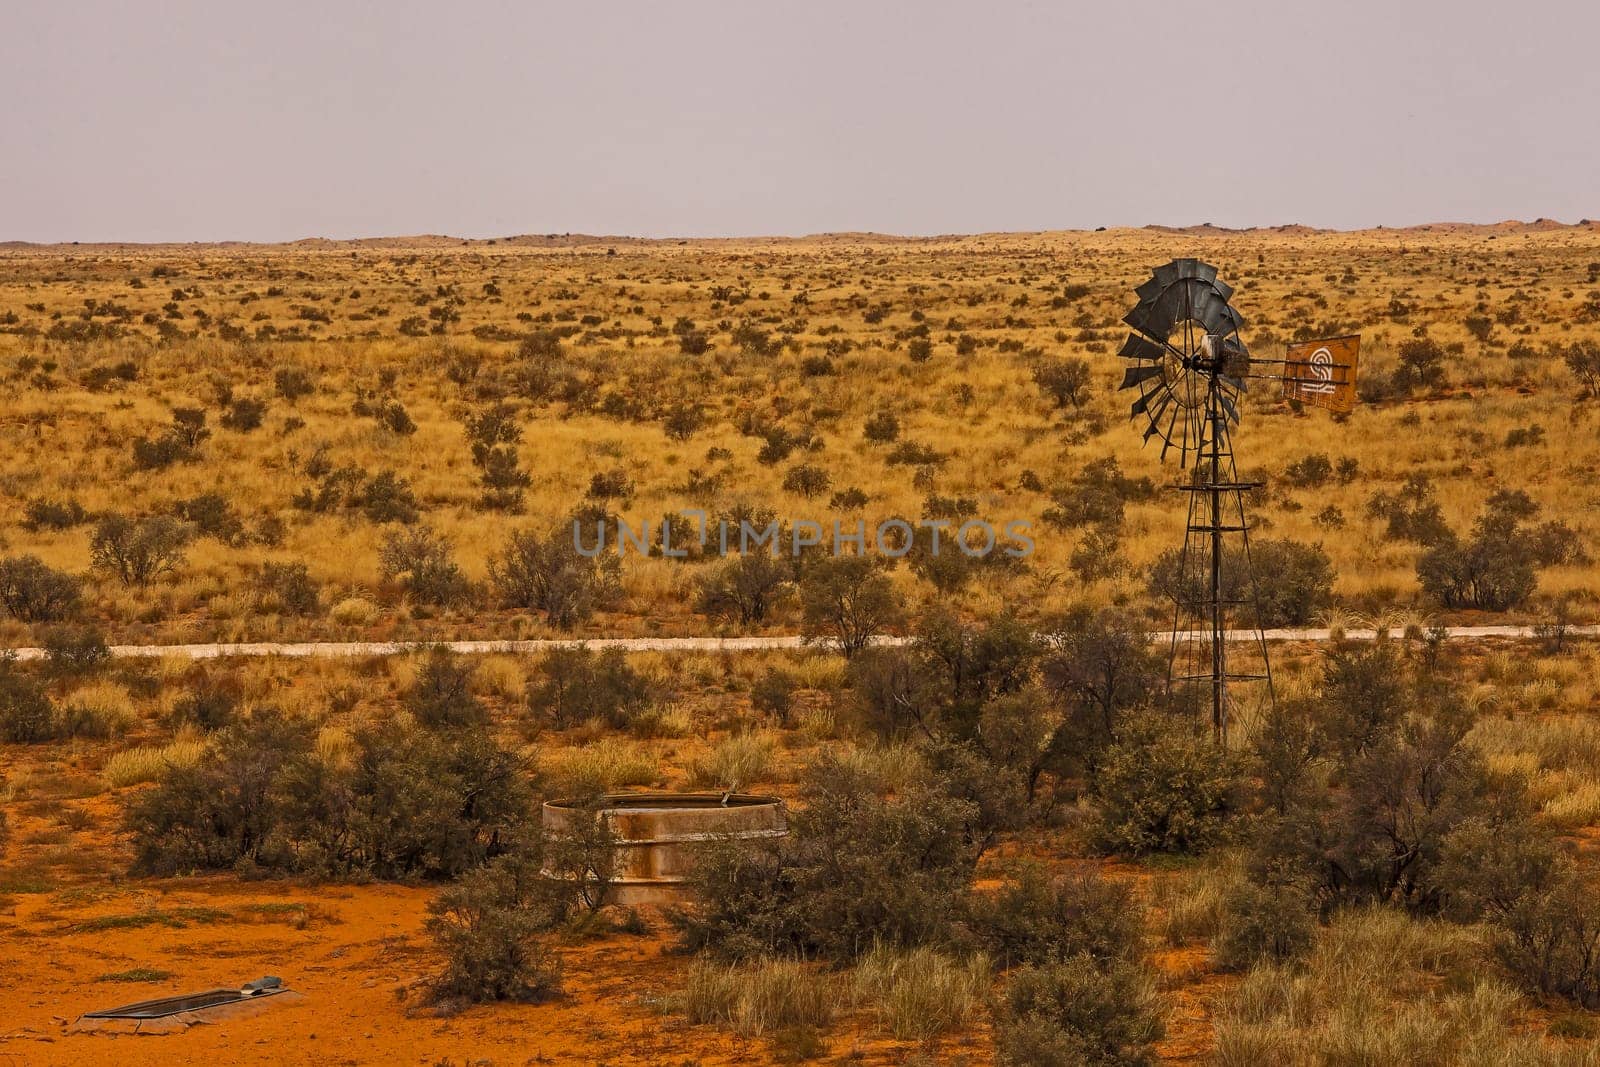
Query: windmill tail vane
x: 1190, y: 370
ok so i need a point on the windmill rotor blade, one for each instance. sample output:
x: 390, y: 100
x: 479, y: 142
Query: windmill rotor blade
x: 1228, y: 407
x: 1135, y: 375
x: 1236, y: 384
x: 1143, y: 403
x: 1138, y: 347
x: 1163, y: 401
x: 1139, y: 319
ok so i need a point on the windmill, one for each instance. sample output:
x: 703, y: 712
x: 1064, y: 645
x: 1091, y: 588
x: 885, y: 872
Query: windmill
x: 1190, y: 369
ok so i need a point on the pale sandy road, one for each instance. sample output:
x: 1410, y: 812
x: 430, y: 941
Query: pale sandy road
x: 334, y: 649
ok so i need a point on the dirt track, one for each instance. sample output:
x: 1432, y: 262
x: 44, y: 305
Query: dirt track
x: 691, y: 644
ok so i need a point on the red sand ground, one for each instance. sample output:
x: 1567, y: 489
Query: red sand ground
x: 354, y: 951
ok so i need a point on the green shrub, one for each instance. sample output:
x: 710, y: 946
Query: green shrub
x: 138, y: 551
x: 1034, y: 919
x: 403, y: 803
x: 1163, y: 787
x: 33, y: 592
x: 74, y: 651
x: 545, y: 572
x: 848, y: 600
x: 857, y: 868
x: 211, y: 703
x: 441, y: 697
x: 583, y: 859
x: 289, y: 588
x: 420, y: 562
x: 488, y: 926
x: 580, y: 685
x: 1074, y: 1014
x: 26, y: 714
x: 745, y: 589
x: 1264, y: 922
x: 773, y: 694
x: 1100, y: 665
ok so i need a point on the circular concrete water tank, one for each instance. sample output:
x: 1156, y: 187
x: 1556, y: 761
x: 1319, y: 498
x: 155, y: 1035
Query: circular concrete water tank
x: 656, y: 834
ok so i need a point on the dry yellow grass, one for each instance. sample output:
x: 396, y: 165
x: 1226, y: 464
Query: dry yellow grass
x: 837, y: 315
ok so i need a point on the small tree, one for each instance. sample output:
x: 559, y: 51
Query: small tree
x: 1583, y: 360
x: 848, y: 599
x: 1100, y: 665
x: 745, y: 588
x: 420, y: 561
x: 34, y: 592
x: 546, y: 572
x: 441, y: 697
x: 1065, y: 381
x: 138, y: 551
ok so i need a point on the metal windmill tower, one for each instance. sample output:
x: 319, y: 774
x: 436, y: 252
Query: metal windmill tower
x: 1190, y: 367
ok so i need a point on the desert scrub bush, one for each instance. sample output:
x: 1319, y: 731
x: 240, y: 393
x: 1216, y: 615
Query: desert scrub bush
x: 1544, y: 920
x: 419, y: 561
x: 1064, y: 381
x: 137, y: 551
x: 1289, y: 582
x: 773, y: 694
x: 1099, y: 665
x: 287, y: 588
x: 211, y: 515
x: 488, y: 928
x: 441, y: 696
x: 147, y: 763
x: 858, y: 868
x: 33, y: 592
x: 1074, y: 1014
x: 582, y: 857
x: 734, y: 763
x: 179, y: 443
x: 1494, y: 569
x: 26, y: 714
x: 579, y: 685
x: 402, y: 802
x: 546, y: 572
x: 73, y: 651
x: 44, y: 513
x: 758, y: 998
x: 292, y: 383
x: 918, y: 994
x: 1035, y: 919
x: 1263, y: 921
x: 1163, y: 787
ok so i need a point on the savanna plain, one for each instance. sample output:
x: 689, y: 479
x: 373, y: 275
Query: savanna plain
x: 1006, y: 844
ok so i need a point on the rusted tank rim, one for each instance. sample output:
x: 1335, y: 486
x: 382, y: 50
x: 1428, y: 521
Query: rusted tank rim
x: 664, y: 801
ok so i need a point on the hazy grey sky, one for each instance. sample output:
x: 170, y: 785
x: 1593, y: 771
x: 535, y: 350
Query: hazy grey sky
x: 277, y: 120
